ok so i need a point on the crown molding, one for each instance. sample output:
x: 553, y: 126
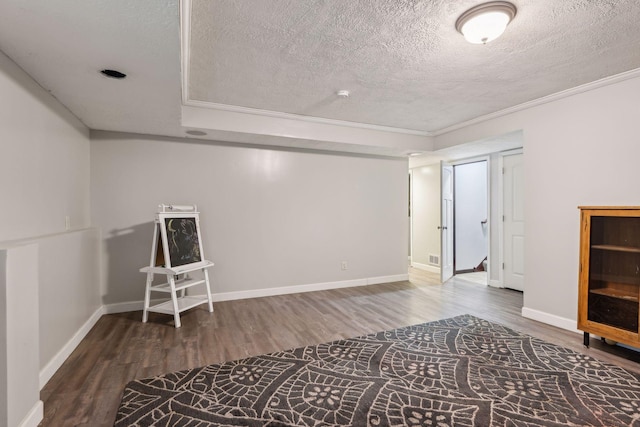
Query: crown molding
x: 606, y: 81
x: 308, y: 119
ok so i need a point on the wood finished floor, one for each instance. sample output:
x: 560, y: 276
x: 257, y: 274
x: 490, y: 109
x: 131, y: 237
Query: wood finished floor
x: 87, y: 389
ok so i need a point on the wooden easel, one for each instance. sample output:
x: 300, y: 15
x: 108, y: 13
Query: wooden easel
x: 176, y: 252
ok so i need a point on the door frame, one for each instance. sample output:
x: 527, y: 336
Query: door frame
x: 447, y: 227
x: 477, y: 159
x: 501, y: 156
x: 410, y: 212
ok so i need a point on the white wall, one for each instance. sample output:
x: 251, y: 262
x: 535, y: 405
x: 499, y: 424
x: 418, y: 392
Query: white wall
x: 425, y: 215
x: 470, y: 207
x: 580, y: 150
x: 44, y: 166
x: 44, y: 178
x: 69, y: 293
x: 20, y: 403
x: 270, y: 218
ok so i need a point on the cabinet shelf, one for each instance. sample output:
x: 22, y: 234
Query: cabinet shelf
x: 617, y: 248
x: 629, y: 280
x: 615, y: 293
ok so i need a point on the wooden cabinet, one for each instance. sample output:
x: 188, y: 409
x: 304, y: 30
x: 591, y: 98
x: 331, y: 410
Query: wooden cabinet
x: 609, y: 283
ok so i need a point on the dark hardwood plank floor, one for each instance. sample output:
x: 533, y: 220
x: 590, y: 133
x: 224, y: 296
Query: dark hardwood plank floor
x: 87, y: 389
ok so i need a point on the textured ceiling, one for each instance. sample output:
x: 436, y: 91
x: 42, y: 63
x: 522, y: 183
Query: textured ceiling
x: 402, y: 60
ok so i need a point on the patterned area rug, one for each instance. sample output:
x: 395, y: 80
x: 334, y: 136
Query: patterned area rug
x: 462, y: 371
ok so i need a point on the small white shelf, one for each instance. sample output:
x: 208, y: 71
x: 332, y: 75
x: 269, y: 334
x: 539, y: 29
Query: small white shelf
x: 176, y: 271
x: 175, y: 285
x: 180, y: 285
x: 184, y: 303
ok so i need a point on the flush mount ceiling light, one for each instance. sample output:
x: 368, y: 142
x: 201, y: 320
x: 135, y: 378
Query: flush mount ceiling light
x: 485, y: 22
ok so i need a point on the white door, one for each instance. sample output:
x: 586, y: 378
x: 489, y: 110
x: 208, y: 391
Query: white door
x: 513, y: 224
x: 446, y: 221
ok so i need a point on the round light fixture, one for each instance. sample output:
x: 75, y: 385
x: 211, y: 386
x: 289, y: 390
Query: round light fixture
x: 485, y: 22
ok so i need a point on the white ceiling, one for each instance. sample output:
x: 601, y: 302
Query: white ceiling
x: 267, y: 71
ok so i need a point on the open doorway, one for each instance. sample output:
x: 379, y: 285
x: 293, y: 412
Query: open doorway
x: 426, y: 252
x: 438, y: 242
x: 471, y: 221
x: 425, y: 218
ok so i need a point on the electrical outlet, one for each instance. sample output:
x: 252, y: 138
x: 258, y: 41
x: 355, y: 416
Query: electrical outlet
x: 344, y: 265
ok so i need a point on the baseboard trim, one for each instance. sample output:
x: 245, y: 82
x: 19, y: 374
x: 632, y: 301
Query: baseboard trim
x: 54, y: 364
x: 269, y: 292
x: 550, y: 319
x: 34, y: 417
x: 425, y: 267
x: 284, y: 290
x: 561, y: 322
